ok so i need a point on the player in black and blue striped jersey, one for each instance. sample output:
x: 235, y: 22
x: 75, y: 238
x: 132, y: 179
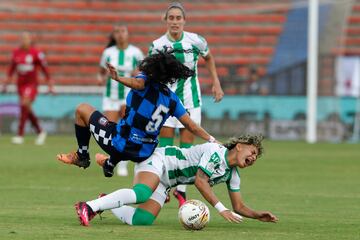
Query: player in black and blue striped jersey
x: 148, y: 105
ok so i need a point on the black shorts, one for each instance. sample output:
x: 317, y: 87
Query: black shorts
x: 103, y: 131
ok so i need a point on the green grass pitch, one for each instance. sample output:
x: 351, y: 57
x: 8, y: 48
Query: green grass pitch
x: 313, y: 189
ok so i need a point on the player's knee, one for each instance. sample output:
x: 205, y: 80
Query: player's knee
x: 142, y: 217
x: 143, y: 193
x: 84, y: 109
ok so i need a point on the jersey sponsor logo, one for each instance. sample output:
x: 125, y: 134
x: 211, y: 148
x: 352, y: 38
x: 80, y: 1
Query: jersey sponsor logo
x: 220, y: 179
x: 136, y: 138
x: 215, y: 158
x: 29, y: 58
x: 24, y: 68
x: 214, y: 163
x: 103, y: 121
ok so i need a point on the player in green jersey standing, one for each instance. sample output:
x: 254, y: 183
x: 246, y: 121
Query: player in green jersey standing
x: 124, y: 56
x: 188, y: 90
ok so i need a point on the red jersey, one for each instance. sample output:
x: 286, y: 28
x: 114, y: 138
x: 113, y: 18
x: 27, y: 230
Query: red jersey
x: 26, y: 63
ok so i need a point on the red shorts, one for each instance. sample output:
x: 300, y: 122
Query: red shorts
x: 27, y: 91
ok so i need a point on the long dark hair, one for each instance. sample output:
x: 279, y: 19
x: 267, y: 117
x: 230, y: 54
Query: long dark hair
x: 164, y: 68
x: 111, y: 41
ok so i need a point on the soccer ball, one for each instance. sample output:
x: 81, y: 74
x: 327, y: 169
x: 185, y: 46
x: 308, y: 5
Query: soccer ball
x: 194, y: 215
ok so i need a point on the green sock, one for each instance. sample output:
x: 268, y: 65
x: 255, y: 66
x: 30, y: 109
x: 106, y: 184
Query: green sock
x: 165, y: 141
x: 185, y: 145
x: 142, y: 217
x: 142, y: 192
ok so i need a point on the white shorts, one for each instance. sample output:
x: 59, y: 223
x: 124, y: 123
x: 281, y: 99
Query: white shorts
x: 109, y: 104
x: 195, y: 115
x: 155, y: 165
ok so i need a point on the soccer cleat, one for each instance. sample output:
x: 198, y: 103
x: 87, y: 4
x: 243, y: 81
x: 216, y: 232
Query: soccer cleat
x: 40, y: 139
x: 107, y: 166
x: 180, y: 196
x: 17, y: 140
x: 75, y: 159
x: 84, y: 212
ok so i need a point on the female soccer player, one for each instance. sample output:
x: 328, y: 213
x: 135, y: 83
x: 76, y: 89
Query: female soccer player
x: 26, y: 61
x: 202, y: 165
x: 125, y: 58
x: 148, y: 105
x: 187, y: 89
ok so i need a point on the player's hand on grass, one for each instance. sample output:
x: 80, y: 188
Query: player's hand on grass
x: 112, y: 71
x: 267, y: 217
x: 230, y: 216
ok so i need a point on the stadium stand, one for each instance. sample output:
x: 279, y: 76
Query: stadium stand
x: 74, y: 33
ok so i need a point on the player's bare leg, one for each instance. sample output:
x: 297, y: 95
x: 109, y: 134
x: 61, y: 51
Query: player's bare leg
x: 186, y: 141
x: 112, y: 116
x: 25, y: 108
x: 167, y: 135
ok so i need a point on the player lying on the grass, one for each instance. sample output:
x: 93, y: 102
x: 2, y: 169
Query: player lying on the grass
x: 202, y: 165
x: 148, y: 105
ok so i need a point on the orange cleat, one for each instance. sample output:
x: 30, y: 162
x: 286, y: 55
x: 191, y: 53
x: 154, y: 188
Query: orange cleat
x: 107, y: 166
x: 75, y: 159
x: 101, y: 159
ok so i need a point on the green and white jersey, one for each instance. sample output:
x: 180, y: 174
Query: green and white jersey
x: 188, y: 90
x: 180, y: 165
x: 126, y: 62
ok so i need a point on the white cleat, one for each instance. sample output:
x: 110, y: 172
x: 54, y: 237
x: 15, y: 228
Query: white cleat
x: 40, y: 139
x: 17, y: 140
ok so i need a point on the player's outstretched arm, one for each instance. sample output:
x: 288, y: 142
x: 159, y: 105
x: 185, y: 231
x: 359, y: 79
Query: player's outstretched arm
x: 202, y: 184
x: 240, y: 208
x: 134, y: 83
x: 195, y: 128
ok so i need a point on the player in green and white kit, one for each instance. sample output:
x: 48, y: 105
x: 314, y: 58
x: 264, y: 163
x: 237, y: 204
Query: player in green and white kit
x: 188, y: 90
x: 202, y: 165
x: 124, y: 57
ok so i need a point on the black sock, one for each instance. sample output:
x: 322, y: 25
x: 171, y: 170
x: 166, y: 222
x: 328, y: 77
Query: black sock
x: 113, y: 161
x: 83, y: 138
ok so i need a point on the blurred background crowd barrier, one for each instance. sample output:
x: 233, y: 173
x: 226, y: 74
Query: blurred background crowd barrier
x: 260, y: 48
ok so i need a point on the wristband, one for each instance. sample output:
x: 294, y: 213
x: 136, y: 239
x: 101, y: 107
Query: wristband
x: 220, y: 207
x: 211, y: 139
x: 141, y: 75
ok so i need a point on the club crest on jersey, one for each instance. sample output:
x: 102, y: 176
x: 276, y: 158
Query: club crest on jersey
x: 103, y: 121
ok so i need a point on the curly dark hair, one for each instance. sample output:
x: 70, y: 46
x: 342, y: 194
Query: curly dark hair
x: 164, y: 68
x: 248, y: 139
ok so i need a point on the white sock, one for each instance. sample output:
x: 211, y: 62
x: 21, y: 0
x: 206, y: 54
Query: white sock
x: 113, y: 200
x: 124, y: 213
x: 181, y: 188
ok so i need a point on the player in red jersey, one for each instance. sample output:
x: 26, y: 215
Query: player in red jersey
x: 25, y: 62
